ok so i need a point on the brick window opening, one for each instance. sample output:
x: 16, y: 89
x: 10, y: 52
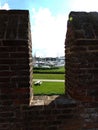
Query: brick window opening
x: 80, y: 112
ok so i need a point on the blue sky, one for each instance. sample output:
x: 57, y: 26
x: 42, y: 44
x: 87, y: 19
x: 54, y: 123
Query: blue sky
x: 48, y: 20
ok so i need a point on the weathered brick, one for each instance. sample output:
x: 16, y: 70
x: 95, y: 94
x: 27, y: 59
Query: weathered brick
x: 81, y: 56
x: 14, y: 57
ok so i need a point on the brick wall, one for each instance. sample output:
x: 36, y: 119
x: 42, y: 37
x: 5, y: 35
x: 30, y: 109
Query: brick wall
x: 78, y: 110
x: 15, y: 57
x: 81, y: 56
x: 51, y: 116
x: 81, y: 48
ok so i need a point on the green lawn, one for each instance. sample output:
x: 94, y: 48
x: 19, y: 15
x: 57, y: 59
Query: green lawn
x: 49, y: 76
x: 49, y: 88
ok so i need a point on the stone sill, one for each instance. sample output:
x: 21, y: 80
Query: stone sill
x: 47, y: 100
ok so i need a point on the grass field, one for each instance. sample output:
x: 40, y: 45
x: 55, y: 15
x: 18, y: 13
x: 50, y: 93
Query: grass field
x: 49, y: 88
x: 49, y: 76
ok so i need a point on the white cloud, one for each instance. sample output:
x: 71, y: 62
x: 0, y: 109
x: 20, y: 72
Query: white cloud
x: 84, y: 5
x: 5, y: 6
x: 48, y: 33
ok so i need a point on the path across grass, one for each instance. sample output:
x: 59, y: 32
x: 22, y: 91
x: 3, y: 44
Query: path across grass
x: 49, y: 80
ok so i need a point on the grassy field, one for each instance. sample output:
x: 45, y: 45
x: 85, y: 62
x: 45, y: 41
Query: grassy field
x: 49, y: 88
x: 48, y: 76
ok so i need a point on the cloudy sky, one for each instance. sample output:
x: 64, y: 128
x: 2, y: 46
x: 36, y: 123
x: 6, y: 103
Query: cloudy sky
x: 48, y: 21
